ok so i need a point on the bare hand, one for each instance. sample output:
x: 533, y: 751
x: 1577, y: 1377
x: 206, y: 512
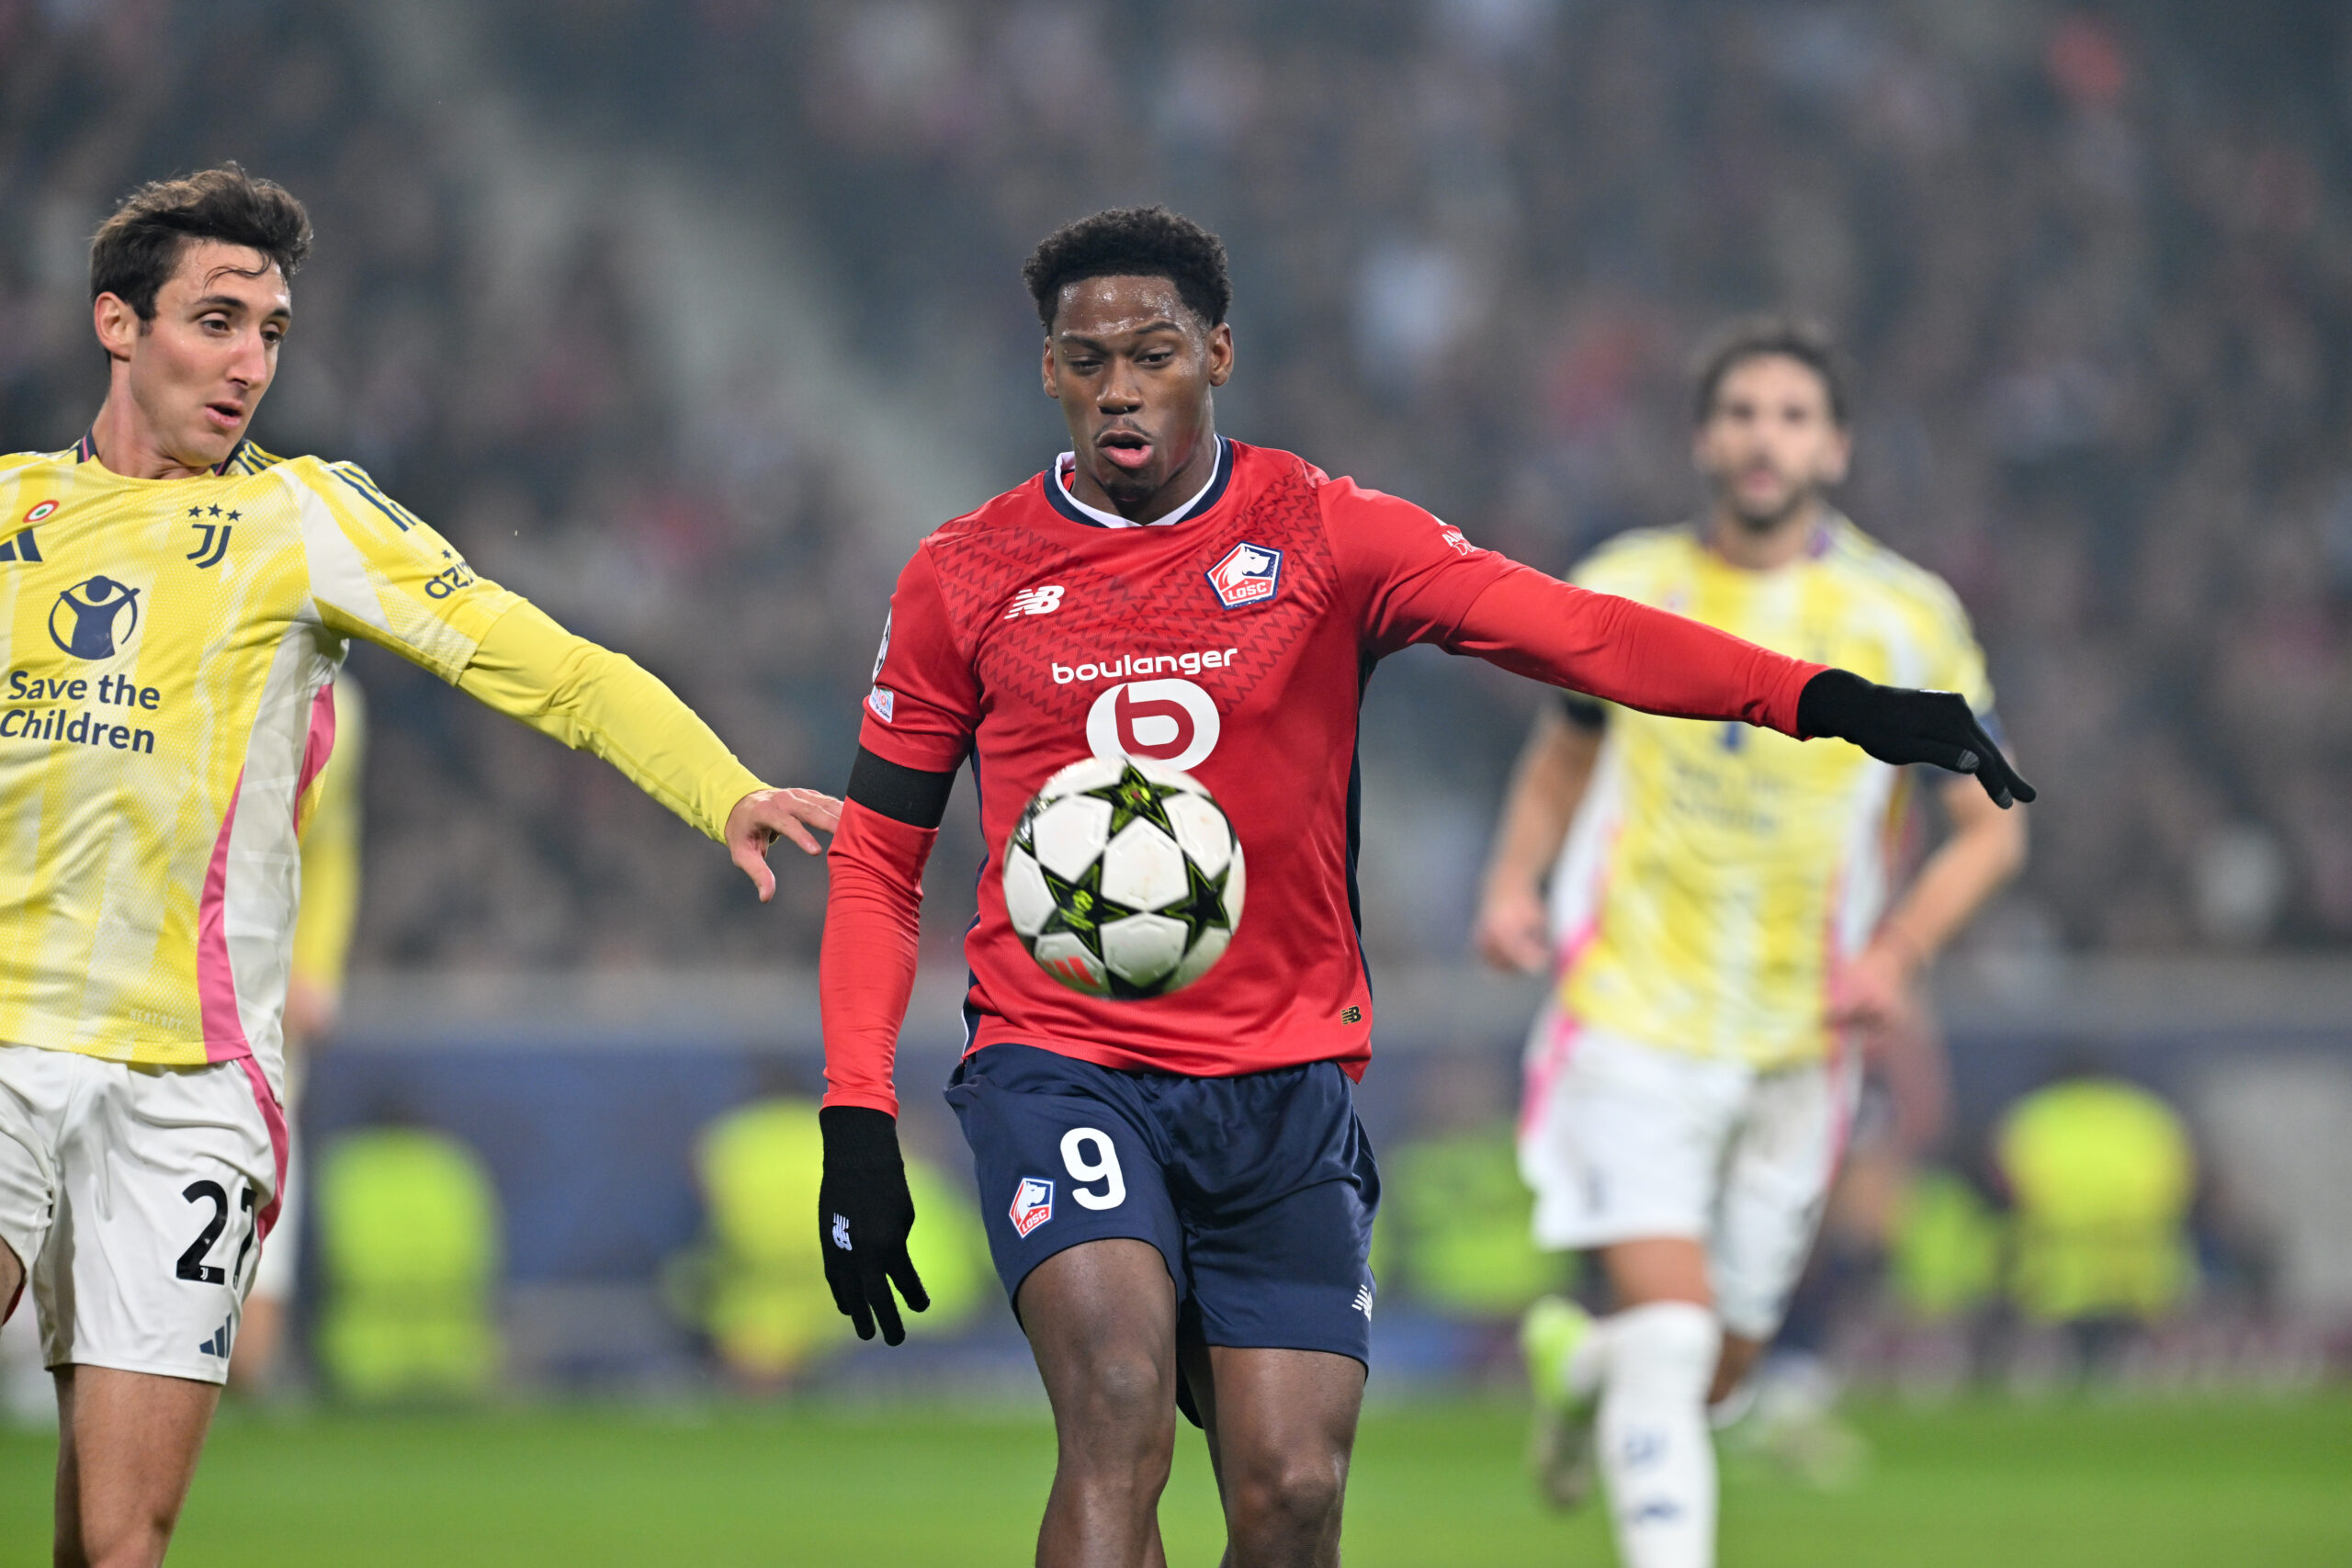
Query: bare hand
x: 1514, y: 933
x: 762, y: 817
x: 1873, y: 992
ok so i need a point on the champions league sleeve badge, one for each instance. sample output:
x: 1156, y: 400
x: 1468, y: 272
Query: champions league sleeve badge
x: 1249, y: 574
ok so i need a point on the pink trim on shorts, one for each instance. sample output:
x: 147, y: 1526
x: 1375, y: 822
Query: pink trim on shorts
x: 275, y: 1120
x: 318, y: 747
x: 1545, y: 1070
x: 215, y: 982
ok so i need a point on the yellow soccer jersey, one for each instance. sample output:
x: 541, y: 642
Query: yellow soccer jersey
x: 166, y: 705
x: 1716, y: 873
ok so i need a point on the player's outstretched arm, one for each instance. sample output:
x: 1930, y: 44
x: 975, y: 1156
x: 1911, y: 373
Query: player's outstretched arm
x: 595, y: 699
x: 1664, y: 663
x: 865, y: 973
x: 1415, y: 579
x: 1903, y: 727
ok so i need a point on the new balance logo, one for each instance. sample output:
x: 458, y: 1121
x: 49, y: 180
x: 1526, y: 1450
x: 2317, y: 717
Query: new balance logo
x: 20, y: 548
x: 218, y: 1345
x: 1037, y: 600
x: 841, y: 1233
x: 1364, y: 1301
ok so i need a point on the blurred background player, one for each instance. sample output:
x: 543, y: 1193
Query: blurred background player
x: 322, y: 927
x: 181, y: 603
x: 1715, y: 924
x: 1210, y: 1245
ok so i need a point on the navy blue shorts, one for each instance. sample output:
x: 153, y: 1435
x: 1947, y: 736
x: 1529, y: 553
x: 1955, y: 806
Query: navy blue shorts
x: 1259, y: 1190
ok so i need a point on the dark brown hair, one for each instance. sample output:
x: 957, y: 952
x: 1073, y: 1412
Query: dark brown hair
x: 134, y: 252
x: 1132, y: 241
x: 1760, y: 337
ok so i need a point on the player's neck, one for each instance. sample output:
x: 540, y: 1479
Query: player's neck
x: 1764, y: 549
x: 127, y: 444
x: 1177, y: 489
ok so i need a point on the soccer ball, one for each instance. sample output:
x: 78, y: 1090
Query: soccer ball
x: 1124, y: 878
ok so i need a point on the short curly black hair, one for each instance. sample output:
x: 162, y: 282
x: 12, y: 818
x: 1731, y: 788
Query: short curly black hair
x: 1139, y: 242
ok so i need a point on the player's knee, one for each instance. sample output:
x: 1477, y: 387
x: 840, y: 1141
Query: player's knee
x: 1291, y: 1496
x: 1666, y: 1347
x: 1123, y: 1393
x: 138, y: 1543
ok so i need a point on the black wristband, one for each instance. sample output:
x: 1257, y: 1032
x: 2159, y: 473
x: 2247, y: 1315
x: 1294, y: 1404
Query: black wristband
x: 1829, y: 704
x: 859, y: 1137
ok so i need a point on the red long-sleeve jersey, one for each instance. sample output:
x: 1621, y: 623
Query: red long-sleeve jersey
x: 1233, y: 642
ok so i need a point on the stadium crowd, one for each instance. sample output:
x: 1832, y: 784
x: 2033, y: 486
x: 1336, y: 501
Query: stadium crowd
x: 2094, y: 264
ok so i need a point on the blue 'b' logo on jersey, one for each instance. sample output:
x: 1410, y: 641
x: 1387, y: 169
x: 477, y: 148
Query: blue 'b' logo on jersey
x: 93, y: 618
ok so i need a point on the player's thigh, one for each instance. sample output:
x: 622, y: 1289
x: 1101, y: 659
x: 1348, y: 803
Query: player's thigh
x: 1776, y: 1183
x: 164, y: 1177
x: 1275, y: 1181
x: 1623, y: 1141
x: 1063, y: 1156
x: 1281, y: 1425
x: 1101, y: 1318
x: 127, y: 1445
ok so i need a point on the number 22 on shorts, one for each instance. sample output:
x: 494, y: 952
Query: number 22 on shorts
x: 1102, y: 1167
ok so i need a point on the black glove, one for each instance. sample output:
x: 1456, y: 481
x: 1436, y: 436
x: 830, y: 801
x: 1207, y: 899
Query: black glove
x: 864, y: 1214
x: 1901, y: 727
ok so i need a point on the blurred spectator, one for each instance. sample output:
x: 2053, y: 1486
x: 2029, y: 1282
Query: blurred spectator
x: 2100, y: 1175
x: 411, y: 1238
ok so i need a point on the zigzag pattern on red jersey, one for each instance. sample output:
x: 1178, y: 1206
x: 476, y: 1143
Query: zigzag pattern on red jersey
x: 984, y: 559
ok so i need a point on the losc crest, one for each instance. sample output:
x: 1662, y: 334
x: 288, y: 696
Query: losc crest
x: 1249, y: 574
x: 1033, y: 1204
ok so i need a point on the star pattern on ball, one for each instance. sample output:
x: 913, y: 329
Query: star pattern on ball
x: 1131, y: 796
x: 1203, y: 905
x: 1080, y: 908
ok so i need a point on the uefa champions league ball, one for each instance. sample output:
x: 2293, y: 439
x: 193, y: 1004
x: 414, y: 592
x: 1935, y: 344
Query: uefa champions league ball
x: 1124, y: 878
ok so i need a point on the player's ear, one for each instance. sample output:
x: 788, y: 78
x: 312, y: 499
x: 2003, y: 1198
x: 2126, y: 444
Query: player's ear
x: 1046, y: 370
x: 1220, y: 354
x: 116, y: 324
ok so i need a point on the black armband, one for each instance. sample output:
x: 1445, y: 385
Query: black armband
x: 904, y: 795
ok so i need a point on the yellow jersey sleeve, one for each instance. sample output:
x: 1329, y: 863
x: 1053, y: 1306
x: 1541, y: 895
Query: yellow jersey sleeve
x: 595, y: 699
x: 380, y: 573
x: 329, y: 904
